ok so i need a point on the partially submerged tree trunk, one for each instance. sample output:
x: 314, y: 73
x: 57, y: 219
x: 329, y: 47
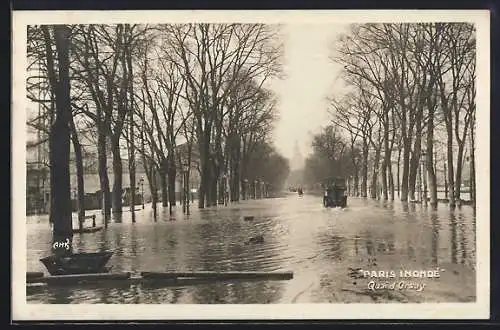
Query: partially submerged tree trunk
x: 376, y: 165
x: 390, y: 174
x: 235, y: 175
x: 430, y: 159
x: 172, y: 175
x: 77, y: 147
x: 117, y: 204
x: 59, y: 138
x: 204, y: 169
x: 151, y: 176
x: 131, y: 166
x: 406, y: 166
x: 103, y: 175
x: 398, y: 176
x: 364, y: 170
x: 458, y: 173
x: 449, y: 153
x: 472, y: 165
x: 415, y: 161
x: 386, y: 163
x: 131, y: 144
x: 163, y: 174
x: 213, y: 183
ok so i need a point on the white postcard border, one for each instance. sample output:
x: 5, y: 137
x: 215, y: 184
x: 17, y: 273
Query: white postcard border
x: 23, y: 311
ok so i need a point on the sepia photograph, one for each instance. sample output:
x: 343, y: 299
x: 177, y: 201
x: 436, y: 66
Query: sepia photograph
x: 272, y: 164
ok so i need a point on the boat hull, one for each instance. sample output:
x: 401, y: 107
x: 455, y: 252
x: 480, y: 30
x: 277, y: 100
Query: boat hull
x: 77, y: 263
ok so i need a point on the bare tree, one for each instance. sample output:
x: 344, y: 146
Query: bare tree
x: 415, y: 74
x: 213, y: 60
x: 59, y: 138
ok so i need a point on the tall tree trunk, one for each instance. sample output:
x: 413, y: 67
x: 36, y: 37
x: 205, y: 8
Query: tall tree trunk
x: 117, y: 204
x: 151, y: 176
x: 458, y: 174
x: 383, y: 172
x: 356, y: 181
x: 103, y: 174
x: 386, y: 162
x: 235, y: 176
x: 451, y: 185
x: 172, y: 175
x: 414, y: 164
x: 243, y: 172
x: 376, y: 165
x: 397, y: 174
x: 390, y: 174
x: 214, y: 179
x: 190, y: 166
x: 430, y: 161
x: 131, y: 168
x: 131, y: 145
x: 204, y: 173
x: 472, y: 165
x: 406, y: 168
x: 364, y: 170
x: 220, y: 191
x: 62, y: 230
x: 79, y: 174
x: 445, y: 172
x: 164, y: 186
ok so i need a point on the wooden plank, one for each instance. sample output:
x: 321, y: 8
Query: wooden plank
x: 72, y: 279
x: 34, y: 274
x: 219, y: 275
x: 34, y: 277
x: 173, y: 277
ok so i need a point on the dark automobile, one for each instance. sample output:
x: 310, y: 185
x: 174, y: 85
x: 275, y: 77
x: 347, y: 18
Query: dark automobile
x: 334, y: 193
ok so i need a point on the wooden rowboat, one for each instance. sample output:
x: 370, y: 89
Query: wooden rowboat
x: 77, y: 263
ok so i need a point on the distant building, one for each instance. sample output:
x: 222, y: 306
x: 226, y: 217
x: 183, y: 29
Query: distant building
x: 297, y: 162
x: 38, y: 175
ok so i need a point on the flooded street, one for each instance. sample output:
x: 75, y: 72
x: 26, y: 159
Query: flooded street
x: 327, y: 249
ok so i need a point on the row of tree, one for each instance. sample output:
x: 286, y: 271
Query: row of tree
x: 138, y: 91
x: 408, y: 95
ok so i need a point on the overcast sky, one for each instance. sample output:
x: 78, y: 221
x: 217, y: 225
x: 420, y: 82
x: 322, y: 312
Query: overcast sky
x: 310, y: 79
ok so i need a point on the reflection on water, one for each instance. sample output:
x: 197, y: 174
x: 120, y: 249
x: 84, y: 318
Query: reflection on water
x: 319, y: 245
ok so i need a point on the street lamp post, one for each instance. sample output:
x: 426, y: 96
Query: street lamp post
x: 142, y: 191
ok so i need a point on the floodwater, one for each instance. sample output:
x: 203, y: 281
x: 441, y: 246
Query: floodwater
x: 327, y: 249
